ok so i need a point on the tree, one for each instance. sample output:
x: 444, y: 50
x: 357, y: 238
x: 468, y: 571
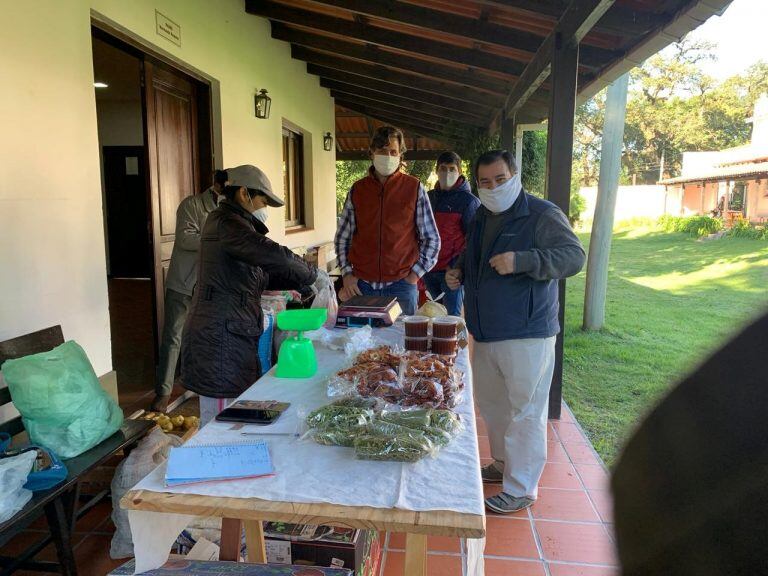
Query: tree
x: 421, y: 169
x: 347, y: 173
x: 673, y: 107
x: 534, y: 161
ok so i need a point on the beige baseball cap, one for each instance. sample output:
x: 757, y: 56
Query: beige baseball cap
x: 255, y: 179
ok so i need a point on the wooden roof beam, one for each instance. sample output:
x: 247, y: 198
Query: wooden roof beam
x: 365, y: 135
x: 373, y: 35
x: 619, y: 21
x: 407, y: 124
x: 374, y: 99
x: 576, y: 21
x: 435, y: 124
x: 407, y: 81
x: 420, y: 154
x: 461, y: 26
x: 472, y: 109
x: 305, y: 44
x: 429, y: 84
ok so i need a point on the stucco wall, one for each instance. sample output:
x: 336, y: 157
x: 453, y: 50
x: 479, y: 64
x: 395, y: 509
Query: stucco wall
x: 631, y: 202
x: 52, y: 262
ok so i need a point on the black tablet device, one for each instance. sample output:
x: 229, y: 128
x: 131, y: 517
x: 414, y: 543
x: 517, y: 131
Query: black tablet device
x: 253, y: 411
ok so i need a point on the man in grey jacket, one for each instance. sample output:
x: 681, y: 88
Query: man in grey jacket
x: 518, y: 248
x: 180, y: 282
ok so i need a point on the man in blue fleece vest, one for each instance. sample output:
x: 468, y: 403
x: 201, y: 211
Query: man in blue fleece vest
x: 518, y: 248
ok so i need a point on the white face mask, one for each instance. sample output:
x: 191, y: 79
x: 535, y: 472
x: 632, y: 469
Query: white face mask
x: 502, y: 197
x: 447, y: 179
x: 386, y: 165
x: 261, y: 215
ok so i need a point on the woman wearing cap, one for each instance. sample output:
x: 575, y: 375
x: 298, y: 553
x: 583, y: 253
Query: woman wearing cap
x: 219, y: 351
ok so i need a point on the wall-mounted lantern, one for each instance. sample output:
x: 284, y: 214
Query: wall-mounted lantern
x: 263, y: 104
x: 328, y: 142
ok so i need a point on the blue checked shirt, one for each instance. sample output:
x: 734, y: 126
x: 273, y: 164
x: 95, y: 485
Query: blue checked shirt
x: 429, y: 237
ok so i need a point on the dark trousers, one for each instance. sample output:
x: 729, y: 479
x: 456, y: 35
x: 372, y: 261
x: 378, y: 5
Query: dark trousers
x: 453, y: 299
x: 407, y: 294
x: 176, y: 310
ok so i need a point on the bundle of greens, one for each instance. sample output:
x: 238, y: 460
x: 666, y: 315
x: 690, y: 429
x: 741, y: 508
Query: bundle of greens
x: 334, y: 437
x: 419, y: 418
x: 445, y: 420
x: 403, y: 436
x: 407, y: 447
x: 337, y: 424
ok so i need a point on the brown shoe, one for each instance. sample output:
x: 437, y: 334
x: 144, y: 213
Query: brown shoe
x: 491, y: 474
x: 160, y: 403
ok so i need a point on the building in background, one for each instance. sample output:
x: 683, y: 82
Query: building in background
x: 731, y: 182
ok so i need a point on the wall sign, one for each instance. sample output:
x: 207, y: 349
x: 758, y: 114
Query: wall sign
x: 168, y: 29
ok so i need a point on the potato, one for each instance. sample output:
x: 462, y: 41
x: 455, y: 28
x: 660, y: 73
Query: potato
x: 190, y: 422
x: 177, y: 420
x: 167, y: 427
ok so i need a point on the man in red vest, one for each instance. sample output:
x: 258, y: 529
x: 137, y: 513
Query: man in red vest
x: 387, y: 237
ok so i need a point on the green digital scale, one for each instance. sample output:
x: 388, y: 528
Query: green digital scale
x: 296, y: 358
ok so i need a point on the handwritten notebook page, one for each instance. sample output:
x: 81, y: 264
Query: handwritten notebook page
x: 207, y: 463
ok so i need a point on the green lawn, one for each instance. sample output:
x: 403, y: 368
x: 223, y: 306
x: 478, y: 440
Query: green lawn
x: 671, y: 300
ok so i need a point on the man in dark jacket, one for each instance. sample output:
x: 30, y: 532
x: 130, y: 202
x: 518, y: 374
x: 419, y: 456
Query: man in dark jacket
x: 219, y: 351
x: 517, y: 249
x: 180, y: 282
x: 454, y: 207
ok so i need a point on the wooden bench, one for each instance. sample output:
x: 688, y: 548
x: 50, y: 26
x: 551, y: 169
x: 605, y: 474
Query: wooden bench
x: 62, y: 505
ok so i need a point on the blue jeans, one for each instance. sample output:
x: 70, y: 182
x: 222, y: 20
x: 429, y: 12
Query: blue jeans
x: 453, y: 299
x: 407, y: 294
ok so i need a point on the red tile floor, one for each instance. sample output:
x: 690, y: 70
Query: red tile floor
x: 566, y: 533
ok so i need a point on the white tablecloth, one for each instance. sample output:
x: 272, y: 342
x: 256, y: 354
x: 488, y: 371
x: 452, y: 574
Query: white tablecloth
x: 307, y: 472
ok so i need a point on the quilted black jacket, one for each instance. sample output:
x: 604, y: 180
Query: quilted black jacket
x: 219, y: 348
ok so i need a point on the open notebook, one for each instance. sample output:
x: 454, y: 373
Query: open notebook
x: 210, y: 463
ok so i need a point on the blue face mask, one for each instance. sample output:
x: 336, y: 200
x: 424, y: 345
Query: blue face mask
x: 261, y: 215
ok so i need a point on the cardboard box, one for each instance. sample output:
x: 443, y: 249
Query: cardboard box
x: 312, y: 545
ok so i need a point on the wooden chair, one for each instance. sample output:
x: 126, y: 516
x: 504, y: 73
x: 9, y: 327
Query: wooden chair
x: 62, y: 505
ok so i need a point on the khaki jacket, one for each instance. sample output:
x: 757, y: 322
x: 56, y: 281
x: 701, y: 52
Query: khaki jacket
x: 190, y: 219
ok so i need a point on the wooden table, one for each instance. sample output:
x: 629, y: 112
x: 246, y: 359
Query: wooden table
x: 251, y: 512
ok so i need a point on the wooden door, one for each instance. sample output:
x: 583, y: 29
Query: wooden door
x: 171, y: 125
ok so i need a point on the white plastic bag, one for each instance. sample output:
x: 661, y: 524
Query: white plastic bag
x: 358, y: 340
x: 150, y: 453
x: 326, y: 297
x: 13, y: 476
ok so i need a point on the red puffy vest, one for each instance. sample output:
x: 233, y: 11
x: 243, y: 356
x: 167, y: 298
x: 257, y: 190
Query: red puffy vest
x: 385, y: 244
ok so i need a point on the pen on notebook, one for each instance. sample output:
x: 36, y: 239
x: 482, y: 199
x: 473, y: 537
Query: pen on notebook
x: 269, y: 434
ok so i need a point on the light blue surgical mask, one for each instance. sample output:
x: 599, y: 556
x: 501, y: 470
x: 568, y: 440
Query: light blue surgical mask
x: 261, y: 214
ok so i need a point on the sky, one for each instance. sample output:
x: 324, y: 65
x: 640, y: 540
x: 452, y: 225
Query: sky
x: 740, y: 34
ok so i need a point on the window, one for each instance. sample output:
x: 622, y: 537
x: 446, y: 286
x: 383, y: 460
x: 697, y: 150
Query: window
x: 737, y: 201
x: 293, y: 177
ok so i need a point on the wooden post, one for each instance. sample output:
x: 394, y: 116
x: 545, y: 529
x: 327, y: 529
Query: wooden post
x: 415, y: 554
x: 508, y: 133
x: 231, y: 534
x: 254, y: 541
x: 607, y: 190
x: 562, y: 108
x: 519, y: 148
